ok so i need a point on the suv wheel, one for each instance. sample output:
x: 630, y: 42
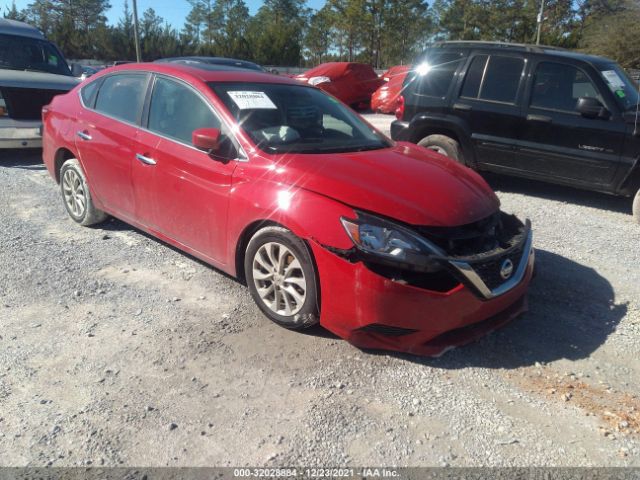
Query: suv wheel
x: 444, y: 146
x: 281, y: 277
x: 636, y: 207
x: 76, y: 195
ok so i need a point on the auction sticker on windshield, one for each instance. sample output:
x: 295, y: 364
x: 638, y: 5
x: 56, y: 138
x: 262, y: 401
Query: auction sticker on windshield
x: 252, y: 100
x: 613, y: 79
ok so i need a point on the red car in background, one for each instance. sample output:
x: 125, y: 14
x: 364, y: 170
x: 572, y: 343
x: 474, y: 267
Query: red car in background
x: 388, y: 245
x: 384, y: 99
x: 352, y: 83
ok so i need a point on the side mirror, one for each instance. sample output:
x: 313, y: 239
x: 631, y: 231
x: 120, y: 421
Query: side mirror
x: 206, y: 139
x: 592, y: 108
x: 76, y: 69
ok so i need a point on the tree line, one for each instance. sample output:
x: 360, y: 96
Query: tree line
x: 379, y: 32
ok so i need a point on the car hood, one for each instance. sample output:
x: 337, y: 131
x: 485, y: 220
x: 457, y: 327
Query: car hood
x: 40, y: 80
x: 405, y: 182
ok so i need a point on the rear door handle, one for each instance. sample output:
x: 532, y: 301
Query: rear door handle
x: 539, y: 118
x: 84, y: 136
x: 462, y: 106
x: 147, y: 160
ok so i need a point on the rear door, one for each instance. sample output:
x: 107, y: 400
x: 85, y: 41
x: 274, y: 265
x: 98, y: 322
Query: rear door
x: 181, y: 191
x: 556, y: 142
x: 489, y: 102
x: 105, y: 139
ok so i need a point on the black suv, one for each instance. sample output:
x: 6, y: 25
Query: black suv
x: 535, y: 112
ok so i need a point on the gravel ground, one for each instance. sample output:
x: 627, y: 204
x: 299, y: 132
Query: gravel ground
x: 116, y: 349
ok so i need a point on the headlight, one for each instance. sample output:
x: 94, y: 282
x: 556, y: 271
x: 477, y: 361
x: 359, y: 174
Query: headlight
x: 383, y: 241
x: 319, y: 80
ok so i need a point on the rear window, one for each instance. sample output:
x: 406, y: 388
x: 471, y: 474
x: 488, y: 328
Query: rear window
x: 122, y: 96
x: 434, y: 73
x: 494, y: 78
x: 88, y: 93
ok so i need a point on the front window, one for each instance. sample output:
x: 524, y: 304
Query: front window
x: 300, y: 119
x: 24, y: 53
x: 624, y: 89
x: 558, y: 86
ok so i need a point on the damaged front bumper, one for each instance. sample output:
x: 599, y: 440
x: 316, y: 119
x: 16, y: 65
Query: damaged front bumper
x: 423, y: 314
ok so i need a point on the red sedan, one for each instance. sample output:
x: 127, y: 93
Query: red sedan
x: 388, y: 245
x: 352, y: 83
x: 385, y: 98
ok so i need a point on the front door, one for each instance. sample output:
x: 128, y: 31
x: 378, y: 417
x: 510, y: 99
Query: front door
x: 182, y: 192
x: 558, y: 143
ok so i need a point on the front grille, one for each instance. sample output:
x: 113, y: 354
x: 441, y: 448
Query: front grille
x: 489, y: 270
x: 387, y: 330
x: 27, y: 103
x: 483, y: 245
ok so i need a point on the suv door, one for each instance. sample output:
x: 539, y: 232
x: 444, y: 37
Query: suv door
x: 558, y: 143
x: 488, y: 101
x: 105, y: 138
x: 183, y: 192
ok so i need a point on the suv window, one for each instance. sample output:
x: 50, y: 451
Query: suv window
x: 176, y: 111
x: 495, y: 78
x: 558, y: 86
x: 442, y: 67
x: 26, y: 53
x: 122, y: 96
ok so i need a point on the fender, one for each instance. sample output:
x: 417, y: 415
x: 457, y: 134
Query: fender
x: 630, y: 184
x: 424, y: 124
x: 311, y: 216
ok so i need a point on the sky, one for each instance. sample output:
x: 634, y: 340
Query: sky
x: 173, y: 11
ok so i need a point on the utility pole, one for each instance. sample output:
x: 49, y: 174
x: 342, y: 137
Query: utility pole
x: 540, y: 18
x: 136, y: 37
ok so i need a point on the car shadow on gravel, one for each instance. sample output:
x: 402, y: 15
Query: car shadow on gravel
x: 558, y: 193
x: 27, y: 159
x: 572, y: 312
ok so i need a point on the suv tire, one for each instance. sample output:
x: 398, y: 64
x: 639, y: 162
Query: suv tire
x: 636, y: 207
x: 443, y: 145
x: 76, y: 195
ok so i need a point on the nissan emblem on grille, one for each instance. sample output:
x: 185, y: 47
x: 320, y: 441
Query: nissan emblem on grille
x: 506, y: 269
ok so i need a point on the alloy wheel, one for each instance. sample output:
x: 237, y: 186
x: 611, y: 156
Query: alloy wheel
x: 279, y: 279
x: 74, y: 193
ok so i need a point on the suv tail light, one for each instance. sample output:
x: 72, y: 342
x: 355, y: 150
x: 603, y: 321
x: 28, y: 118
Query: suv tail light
x: 400, y: 107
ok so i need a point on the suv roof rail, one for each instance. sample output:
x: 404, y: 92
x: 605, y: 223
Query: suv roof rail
x: 481, y: 43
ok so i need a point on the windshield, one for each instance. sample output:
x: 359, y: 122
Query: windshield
x: 24, y: 53
x: 624, y: 89
x: 291, y: 118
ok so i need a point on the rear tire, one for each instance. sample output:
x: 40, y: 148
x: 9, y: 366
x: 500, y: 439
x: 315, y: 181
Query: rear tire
x: 443, y: 145
x: 281, y: 277
x: 76, y: 195
x: 636, y: 207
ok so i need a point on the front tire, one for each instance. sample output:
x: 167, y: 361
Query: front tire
x: 444, y: 146
x: 76, y: 195
x: 636, y: 207
x: 281, y: 277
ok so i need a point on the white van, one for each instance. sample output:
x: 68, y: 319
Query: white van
x: 32, y: 72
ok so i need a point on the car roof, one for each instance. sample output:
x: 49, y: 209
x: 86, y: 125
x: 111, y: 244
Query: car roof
x: 213, y: 61
x: 13, y: 27
x: 520, y: 47
x: 206, y: 72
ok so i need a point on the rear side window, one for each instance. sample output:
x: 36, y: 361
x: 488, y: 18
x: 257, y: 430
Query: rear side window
x: 122, y: 96
x: 558, y: 86
x: 494, y: 78
x: 437, y: 74
x: 88, y: 93
x: 176, y: 111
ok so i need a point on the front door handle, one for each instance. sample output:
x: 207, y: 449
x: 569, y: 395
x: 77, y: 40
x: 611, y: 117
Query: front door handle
x: 146, y: 160
x: 539, y: 118
x: 84, y: 135
x: 462, y: 106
